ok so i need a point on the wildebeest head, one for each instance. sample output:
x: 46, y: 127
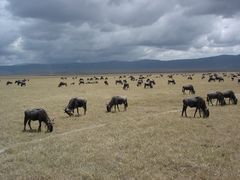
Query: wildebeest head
x: 50, y: 125
x: 235, y: 100
x: 68, y: 111
x: 206, y: 113
x: 108, y: 108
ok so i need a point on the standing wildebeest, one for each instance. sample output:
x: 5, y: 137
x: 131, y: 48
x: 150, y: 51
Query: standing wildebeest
x: 115, y: 101
x: 238, y: 81
x: 23, y: 83
x: 230, y: 94
x: 76, y: 103
x: 40, y: 115
x: 189, y: 88
x: 8, y: 82
x: 126, y: 86
x: 190, y: 77
x: 62, y: 84
x: 211, y: 79
x: 171, y: 81
x: 139, y: 83
x: 148, y: 84
x: 118, y: 82
x: 197, y: 102
x: 216, y: 95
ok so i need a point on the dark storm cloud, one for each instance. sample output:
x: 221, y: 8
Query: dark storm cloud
x: 35, y: 31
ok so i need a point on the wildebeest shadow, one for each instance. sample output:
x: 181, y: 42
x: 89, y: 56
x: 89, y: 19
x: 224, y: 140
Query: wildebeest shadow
x: 31, y: 131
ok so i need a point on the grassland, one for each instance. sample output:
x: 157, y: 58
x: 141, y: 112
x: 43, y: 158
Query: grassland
x: 149, y: 141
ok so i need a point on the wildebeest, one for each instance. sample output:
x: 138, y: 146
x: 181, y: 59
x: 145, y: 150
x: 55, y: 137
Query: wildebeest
x: 72, y: 83
x: 23, y: 84
x: 189, y: 88
x: 118, y: 82
x: 211, y: 79
x: 40, y: 115
x: 139, y: 83
x: 126, y: 86
x: 219, y: 78
x: 75, y: 103
x: 8, y: 82
x: 216, y: 95
x: 197, y: 102
x: 115, y: 101
x: 106, y: 82
x: 238, y: 81
x: 148, y: 84
x: 81, y: 81
x: 230, y: 94
x: 62, y: 84
x: 171, y: 81
x: 190, y: 77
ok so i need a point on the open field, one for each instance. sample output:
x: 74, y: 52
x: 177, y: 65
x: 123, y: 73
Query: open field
x: 149, y: 141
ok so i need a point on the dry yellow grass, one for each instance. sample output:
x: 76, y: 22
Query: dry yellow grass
x: 149, y: 141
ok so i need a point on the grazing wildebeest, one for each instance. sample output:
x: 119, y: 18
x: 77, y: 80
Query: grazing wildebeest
x: 139, y: 83
x: 40, y: 115
x: 62, y: 84
x: 8, y: 82
x: 75, y: 103
x: 106, y: 82
x: 189, y: 88
x: 190, y: 77
x: 115, y: 101
x: 148, y: 84
x: 23, y: 84
x: 18, y: 82
x: 211, y: 79
x: 230, y: 94
x: 72, y: 83
x: 81, y: 81
x: 118, y: 82
x: 197, y: 102
x: 219, y: 78
x: 171, y: 81
x: 216, y: 95
x: 126, y: 86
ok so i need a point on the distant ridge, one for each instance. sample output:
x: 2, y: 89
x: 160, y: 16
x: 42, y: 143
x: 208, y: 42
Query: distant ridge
x: 216, y: 63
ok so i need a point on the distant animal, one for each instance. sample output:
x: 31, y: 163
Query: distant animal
x: 75, y: 103
x: 8, y: 82
x: 62, y: 84
x: 23, y: 84
x: 190, y: 77
x: 18, y: 82
x: 197, y: 102
x: 230, y: 94
x: 189, y: 88
x: 171, y: 81
x: 139, y: 83
x: 81, y: 81
x: 40, y: 115
x: 72, y: 83
x: 238, y: 81
x: 106, y: 82
x: 216, y: 95
x: 219, y: 78
x: 211, y: 79
x: 148, y: 84
x: 126, y: 86
x: 118, y: 82
x: 115, y: 101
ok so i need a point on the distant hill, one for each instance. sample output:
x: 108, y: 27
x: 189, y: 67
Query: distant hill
x: 217, y: 63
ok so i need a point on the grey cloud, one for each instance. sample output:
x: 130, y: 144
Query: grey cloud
x: 92, y: 30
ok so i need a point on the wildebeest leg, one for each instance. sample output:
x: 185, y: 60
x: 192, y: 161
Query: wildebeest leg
x: 217, y: 102
x: 39, y: 127
x: 115, y: 108
x: 25, y: 122
x: 29, y: 124
x: 195, y: 111
x: 118, y: 108
x: 77, y: 111
x: 184, y: 110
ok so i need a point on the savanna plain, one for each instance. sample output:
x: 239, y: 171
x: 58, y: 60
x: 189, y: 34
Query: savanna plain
x: 148, y: 141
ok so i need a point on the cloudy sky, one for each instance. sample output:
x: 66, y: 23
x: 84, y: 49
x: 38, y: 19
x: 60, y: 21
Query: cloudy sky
x: 56, y: 31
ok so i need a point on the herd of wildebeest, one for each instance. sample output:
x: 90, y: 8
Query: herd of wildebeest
x: 142, y: 80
